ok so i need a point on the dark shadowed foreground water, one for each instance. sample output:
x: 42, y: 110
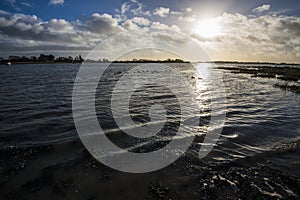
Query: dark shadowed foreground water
x: 257, y: 156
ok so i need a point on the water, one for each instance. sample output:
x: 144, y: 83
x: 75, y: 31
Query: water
x: 262, y: 122
x: 36, y: 104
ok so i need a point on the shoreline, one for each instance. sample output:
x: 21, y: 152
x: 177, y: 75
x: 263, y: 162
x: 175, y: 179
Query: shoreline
x: 235, y: 179
x: 36, y: 63
x: 291, y: 75
x: 213, y: 62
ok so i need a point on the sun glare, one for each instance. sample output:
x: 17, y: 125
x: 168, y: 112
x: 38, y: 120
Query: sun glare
x: 208, y: 28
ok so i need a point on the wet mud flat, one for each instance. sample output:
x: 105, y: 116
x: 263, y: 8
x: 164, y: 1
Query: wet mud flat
x: 291, y: 75
x: 37, y: 173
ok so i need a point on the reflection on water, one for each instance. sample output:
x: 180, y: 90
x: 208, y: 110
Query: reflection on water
x: 262, y: 122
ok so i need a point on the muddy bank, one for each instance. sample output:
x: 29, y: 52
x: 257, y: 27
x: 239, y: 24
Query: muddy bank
x: 289, y: 74
x: 83, y: 177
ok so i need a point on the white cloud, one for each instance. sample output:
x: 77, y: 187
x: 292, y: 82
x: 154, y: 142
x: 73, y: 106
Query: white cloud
x: 263, y: 38
x: 141, y: 21
x: 176, y: 13
x: 161, y: 11
x: 125, y: 7
x: 20, y: 32
x: 138, y: 10
x: 189, y: 9
x: 134, y: 7
x: 147, y: 13
x: 262, y: 8
x: 56, y: 2
x: 25, y: 4
x: 187, y: 18
x: 129, y: 25
x: 158, y: 25
x: 59, y: 25
x: 2, y: 12
x: 5, y: 22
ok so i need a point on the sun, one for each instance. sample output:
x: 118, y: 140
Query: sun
x: 208, y: 28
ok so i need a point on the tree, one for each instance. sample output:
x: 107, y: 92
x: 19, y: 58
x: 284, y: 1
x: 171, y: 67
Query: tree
x: 46, y: 58
x: 34, y: 58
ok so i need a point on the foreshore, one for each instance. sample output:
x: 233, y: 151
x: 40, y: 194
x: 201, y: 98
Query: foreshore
x: 291, y: 75
x: 185, y: 179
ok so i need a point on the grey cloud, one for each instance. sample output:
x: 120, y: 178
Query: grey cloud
x: 269, y: 36
x: 31, y: 28
x: 28, y: 27
x: 169, y: 36
x: 204, y: 39
x: 292, y: 26
x: 102, y: 24
x: 22, y: 31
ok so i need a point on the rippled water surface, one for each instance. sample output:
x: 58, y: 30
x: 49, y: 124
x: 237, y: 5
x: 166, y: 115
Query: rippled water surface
x: 262, y: 122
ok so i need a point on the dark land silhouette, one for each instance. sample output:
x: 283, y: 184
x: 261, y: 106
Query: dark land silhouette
x: 43, y: 58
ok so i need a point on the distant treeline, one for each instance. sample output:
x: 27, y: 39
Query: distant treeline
x: 169, y: 60
x: 41, y: 59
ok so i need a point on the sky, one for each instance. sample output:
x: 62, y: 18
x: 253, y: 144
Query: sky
x: 236, y: 30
